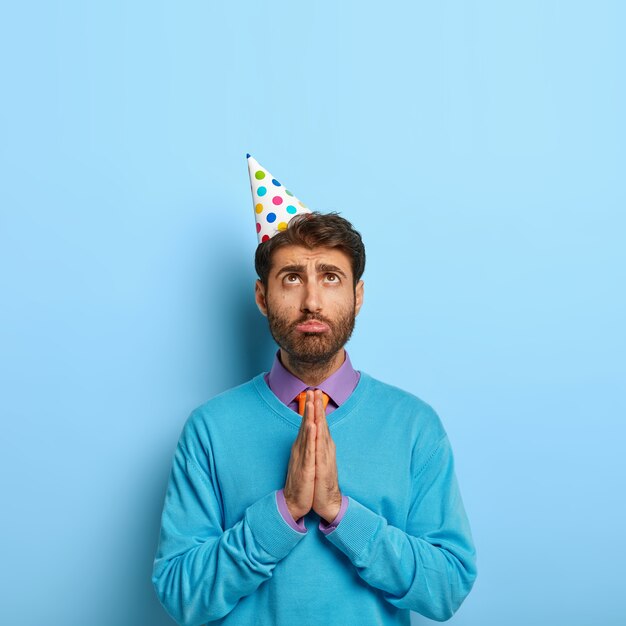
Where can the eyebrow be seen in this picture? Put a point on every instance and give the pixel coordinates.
(321, 268)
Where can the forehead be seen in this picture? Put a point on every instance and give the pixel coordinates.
(299, 255)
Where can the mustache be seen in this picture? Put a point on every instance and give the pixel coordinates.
(313, 318)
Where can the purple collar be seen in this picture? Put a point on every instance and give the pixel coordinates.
(286, 386)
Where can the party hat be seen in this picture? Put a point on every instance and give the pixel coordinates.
(274, 205)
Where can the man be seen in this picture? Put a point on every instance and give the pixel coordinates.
(367, 465)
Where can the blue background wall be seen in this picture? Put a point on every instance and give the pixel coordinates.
(480, 149)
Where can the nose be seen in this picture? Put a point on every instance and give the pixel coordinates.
(311, 302)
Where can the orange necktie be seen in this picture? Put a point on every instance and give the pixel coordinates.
(302, 401)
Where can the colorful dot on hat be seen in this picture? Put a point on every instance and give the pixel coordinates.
(304, 206)
(291, 209)
(258, 227)
(277, 200)
(261, 191)
(288, 192)
(258, 208)
(271, 217)
(259, 175)
(265, 238)
(282, 226)
(275, 182)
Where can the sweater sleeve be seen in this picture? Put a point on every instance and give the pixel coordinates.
(431, 567)
(201, 569)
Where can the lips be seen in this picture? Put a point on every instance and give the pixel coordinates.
(312, 326)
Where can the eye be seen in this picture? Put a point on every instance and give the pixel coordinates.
(332, 278)
(292, 278)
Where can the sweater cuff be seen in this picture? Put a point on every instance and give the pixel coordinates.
(269, 528)
(284, 511)
(329, 528)
(355, 533)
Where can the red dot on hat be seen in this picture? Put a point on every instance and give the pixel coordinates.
(258, 227)
(277, 200)
(265, 238)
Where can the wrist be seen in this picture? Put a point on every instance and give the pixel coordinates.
(293, 510)
(329, 515)
(293, 513)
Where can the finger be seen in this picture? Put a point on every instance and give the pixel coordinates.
(307, 422)
(322, 422)
(326, 446)
(304, 414)
(303, 422)
(321, 442)
(319, 406)
(310, 408)
(300, 439)
(308, 399)
(309, 455)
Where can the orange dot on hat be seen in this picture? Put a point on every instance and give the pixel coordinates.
(258, 207)
(277, 200)
(282, 226)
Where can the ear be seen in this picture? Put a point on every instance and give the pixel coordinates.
(358, 297)
(259, 297)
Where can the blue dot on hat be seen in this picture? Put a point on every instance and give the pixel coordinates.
(261, 191)
(275, 182)
(291, 209)
(271, 217)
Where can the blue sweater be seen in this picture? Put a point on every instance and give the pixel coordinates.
(227, 556)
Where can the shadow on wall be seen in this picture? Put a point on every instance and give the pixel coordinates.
(236, 345)
(236, 334)
(254, 344)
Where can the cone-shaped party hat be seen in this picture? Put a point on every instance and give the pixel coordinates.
(274, 205)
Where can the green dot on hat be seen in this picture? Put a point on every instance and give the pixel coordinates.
(272, 208)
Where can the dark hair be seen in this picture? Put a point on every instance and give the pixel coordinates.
(313, 230)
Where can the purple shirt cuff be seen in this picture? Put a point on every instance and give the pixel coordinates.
(284, 511)
(328, 528)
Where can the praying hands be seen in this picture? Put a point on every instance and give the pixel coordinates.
(312, 481)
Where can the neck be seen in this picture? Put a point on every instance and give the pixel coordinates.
(312, 373)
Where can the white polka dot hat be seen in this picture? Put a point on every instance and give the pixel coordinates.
(274, 205)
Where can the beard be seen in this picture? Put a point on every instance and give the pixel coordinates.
(312, 348)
